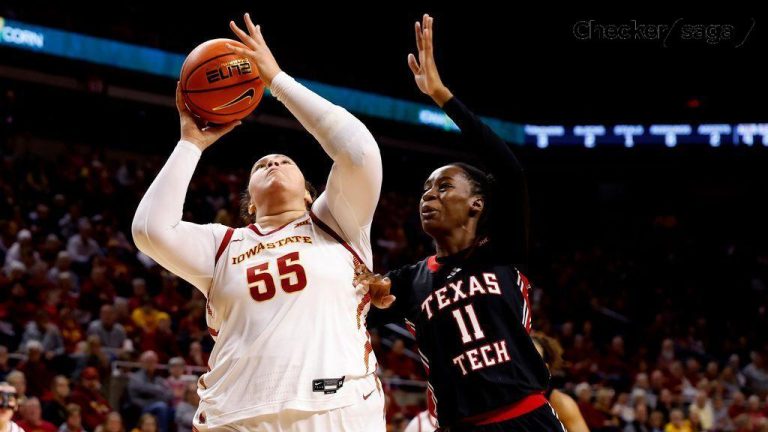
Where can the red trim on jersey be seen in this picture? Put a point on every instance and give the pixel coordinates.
(320, 224)
(213, 332)
(361, 306)
(517, 409)
(224, 243)
(431, 402)
(368, 349)
(525, 287)
(256, 230)
(411, 329)
(432, 264)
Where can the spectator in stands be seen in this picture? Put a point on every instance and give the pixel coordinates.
(738, 405)
(756, 374)
(55, 408)
(74, 420)
(656, 422)
(111, 333)
(88, 396)
(196, 356)
(169, 299)
(176, 381)
(15, 252)
(82, 247)
(17, 379)
(71, 331)
(150, 392)
(63, 265)
(113, 423)
(139, 293)
(46, 332)
(161, 340)
(677, 422)
(147, 423)
(702, 407)
(36, 369)
(31, 417)
(192, 326)
(185, 411)
(592, 416)
(92, 356)
(398, 362)
(755, 412)
(639, 423)
(147, 316)
(722, 421)
(96, 290)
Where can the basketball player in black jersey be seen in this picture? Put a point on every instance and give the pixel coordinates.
(468, 306)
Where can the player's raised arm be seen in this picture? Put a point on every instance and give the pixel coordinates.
(494, 152)
(354, 183)
(184, 248)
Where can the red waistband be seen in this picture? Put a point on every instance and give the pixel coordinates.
(521, 407)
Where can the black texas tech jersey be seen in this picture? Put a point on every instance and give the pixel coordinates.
(470, 311)
(471, 317)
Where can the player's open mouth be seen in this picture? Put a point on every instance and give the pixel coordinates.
(428, 212)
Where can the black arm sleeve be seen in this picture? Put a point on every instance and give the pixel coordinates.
(508, 228)
(401, 289)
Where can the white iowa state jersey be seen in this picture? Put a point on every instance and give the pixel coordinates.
(288, 322)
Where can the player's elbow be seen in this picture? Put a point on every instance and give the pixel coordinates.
(142, 231)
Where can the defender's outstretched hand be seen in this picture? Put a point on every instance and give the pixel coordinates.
(424, 69)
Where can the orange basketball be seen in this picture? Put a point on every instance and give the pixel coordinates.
(218, 85)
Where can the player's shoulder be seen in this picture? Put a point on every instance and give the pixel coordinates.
(410, 271)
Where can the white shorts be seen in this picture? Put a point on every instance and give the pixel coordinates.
(364, 416)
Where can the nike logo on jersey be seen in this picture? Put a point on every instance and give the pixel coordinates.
(453, 272)
(306, 222)
(365, 397)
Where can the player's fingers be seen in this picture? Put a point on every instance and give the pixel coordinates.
(249, 25)
(259, 36)
(180, 106)
(417, 28)
(388, 300)
(244, 37)
(413, 64)
(242, 51)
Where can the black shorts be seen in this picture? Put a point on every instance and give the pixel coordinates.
(542, 419)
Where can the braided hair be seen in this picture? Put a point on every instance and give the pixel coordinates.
(483, 184)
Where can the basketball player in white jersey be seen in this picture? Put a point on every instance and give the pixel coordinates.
(8, 406)
(292, 352)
